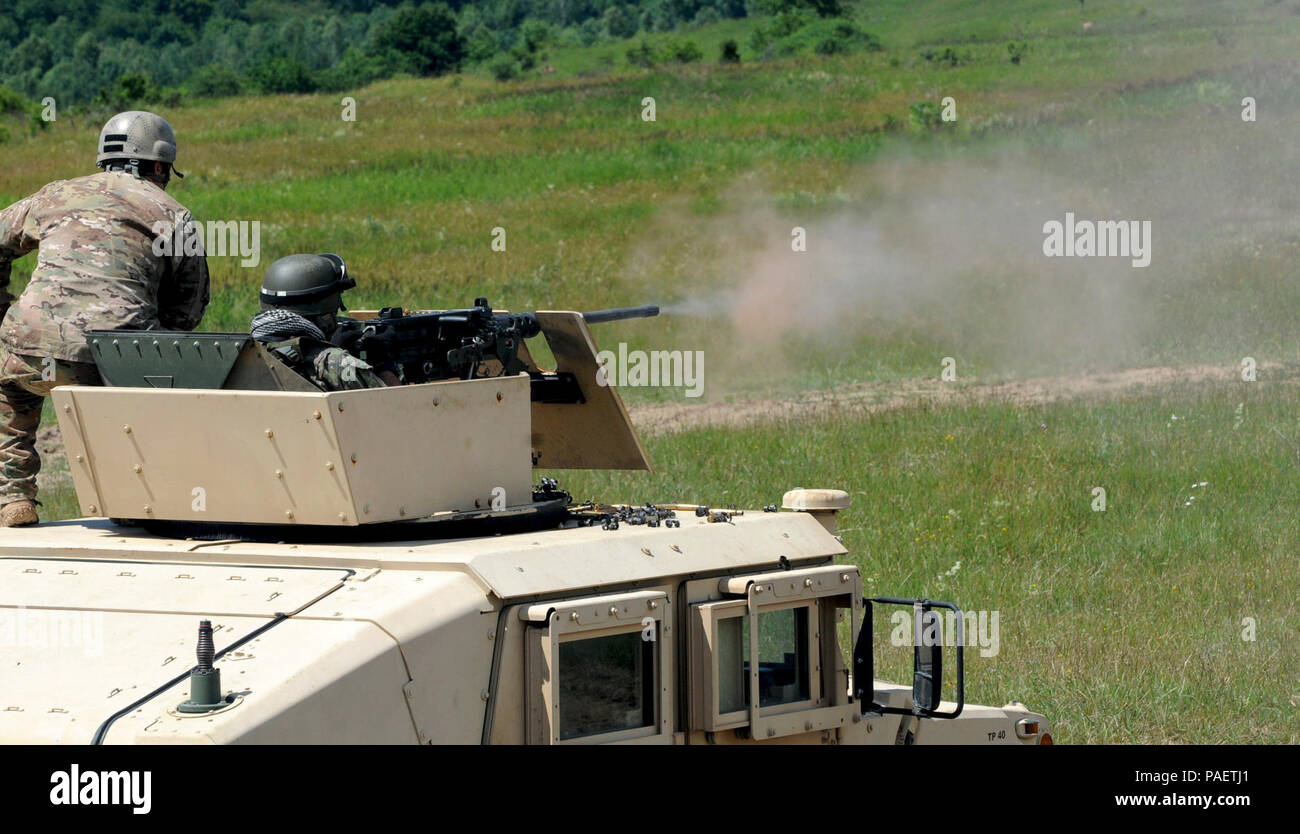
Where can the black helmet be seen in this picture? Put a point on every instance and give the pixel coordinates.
(307, 284)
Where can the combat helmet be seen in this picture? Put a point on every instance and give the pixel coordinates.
(137, 134)
(307, 284)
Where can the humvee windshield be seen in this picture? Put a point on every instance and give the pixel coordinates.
(782, 659)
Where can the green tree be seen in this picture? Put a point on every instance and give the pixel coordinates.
(281, 75)
(214, 81)
(422, 41)
(618, 23)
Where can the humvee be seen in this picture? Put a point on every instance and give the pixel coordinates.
(378, 566)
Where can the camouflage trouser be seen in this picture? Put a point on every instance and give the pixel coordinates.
(25, 381)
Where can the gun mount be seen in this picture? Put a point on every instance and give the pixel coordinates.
(258, 444)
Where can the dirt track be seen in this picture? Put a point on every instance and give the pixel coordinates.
(871, 397)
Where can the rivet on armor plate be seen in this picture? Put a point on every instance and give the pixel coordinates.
(654, 603)
(613, 611)
(137, 468)
(270, 433)
(340, 408)
(329, 464)
(807, 583)
(316, 414)
(148, 508)
(127, 429)
(92, 509)
(279, 474)
(574, 616)
(288, 514)
(67, 408)
(343, 516)
(77, 458)
(499, 397)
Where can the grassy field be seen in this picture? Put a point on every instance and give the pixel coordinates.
(924, 243)
(602, 208)
(1124, 625)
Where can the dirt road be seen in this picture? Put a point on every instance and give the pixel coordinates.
(870, 397)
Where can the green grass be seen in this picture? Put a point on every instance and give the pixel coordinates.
(1123, 626)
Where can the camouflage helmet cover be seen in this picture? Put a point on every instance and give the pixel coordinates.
(137, 134)
(307, 284)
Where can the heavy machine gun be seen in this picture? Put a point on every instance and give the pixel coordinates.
(469, 343)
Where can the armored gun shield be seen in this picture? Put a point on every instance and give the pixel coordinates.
(291, 457)
(209, 427)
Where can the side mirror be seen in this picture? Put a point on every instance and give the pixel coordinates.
(927, 659)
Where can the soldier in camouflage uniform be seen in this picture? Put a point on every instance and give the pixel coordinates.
(99, 268)
(301, 296)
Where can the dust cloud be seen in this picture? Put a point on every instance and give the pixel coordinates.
(940, 252)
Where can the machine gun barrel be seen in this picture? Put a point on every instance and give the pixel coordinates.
(645, 311)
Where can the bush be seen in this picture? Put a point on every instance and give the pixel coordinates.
(830, 46)
(526, 60)
(281, 75)
(786, 24)
(841, 37)
(705, 16)
(926, 115)
(1016, 51)
(421, 41)
(730, 53)
(683, 52)
(504, 68)
(641, 56)
(947, 57)
(132, 89)
(214, 81)
(12, 102)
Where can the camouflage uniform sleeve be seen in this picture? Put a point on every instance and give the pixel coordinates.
(181, 302)
(15, 241)
(339, 370)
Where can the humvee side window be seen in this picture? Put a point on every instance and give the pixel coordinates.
(597, 669)
(606, 684)
(782, 659)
